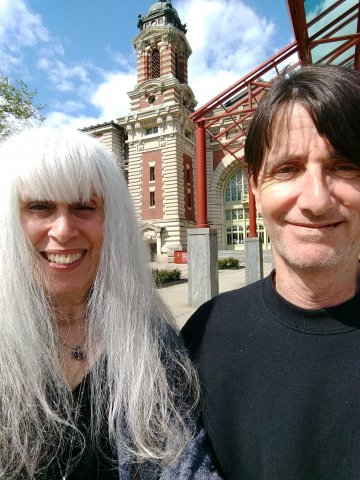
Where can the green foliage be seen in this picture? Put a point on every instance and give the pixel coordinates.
(165, 276)
(16, 103)
(229, 262)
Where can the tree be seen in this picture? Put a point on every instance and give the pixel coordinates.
(17, 109)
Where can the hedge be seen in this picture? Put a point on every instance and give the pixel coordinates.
(164, 276)
(229, 262)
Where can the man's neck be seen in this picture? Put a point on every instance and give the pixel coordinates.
(312, 289)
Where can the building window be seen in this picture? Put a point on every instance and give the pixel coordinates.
(155, 64)
(189, 135)
(237, 188)
(150, 131)
(188, 177)
(189, 199)
(152, 199)
(152, 174)
(235, 235)
(180, 67)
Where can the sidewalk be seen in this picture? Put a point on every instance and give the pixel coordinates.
(176, 296)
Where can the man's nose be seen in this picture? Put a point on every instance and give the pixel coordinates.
(315, 193)
(63, 227)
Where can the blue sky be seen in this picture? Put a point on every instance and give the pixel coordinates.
(78, 54)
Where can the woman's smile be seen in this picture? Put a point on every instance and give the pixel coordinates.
(68, 238)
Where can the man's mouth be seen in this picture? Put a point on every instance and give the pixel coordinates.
(317, 226)
(62, 259)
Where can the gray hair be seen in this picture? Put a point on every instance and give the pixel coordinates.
(140, 368)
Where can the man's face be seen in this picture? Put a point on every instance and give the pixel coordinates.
(309, 196)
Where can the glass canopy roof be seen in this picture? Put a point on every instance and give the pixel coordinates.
(331, 31)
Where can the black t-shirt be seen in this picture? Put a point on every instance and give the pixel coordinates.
(95, 463)
(281, 385)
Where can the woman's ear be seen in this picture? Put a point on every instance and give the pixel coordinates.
(256, 192)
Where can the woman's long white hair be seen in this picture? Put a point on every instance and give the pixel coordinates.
(142, 381)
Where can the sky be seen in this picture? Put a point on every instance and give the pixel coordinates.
(78, 55)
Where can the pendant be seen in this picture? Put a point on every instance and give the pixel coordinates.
(78, 354)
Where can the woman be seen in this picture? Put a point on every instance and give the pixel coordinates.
(94, 383)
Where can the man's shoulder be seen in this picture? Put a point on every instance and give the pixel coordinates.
(225, 307)
(233, 298)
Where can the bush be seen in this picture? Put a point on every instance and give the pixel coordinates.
(229, 262)
(162, 277)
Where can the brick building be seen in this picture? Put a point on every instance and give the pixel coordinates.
(155, 146)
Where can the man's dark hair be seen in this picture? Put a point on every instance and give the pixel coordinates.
(331, 96)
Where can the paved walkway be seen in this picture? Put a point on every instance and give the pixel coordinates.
(176, 296)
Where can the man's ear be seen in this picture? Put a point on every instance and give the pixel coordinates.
(256, 191)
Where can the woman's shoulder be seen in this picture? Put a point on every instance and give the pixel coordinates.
(195, 462)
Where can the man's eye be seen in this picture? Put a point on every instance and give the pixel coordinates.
(346, 169)
(287, 169)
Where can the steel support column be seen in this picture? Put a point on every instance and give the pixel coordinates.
(252, 213)
(200, 139)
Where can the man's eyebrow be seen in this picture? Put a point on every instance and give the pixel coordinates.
(280, 160)
(337, 155)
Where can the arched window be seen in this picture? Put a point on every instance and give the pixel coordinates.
(180, 67)
(236, 198)
(237, 190)
(236, 213)
(155, 63)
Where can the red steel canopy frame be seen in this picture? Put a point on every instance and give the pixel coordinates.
(333, 36)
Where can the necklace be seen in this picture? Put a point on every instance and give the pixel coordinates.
(78, 353)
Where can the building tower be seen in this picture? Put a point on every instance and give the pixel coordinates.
(161, 149)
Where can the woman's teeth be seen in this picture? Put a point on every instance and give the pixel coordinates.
(64, 259)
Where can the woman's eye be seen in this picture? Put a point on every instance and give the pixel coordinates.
(39, 206)
(84, 206)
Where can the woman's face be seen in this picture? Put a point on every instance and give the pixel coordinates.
(68, 239)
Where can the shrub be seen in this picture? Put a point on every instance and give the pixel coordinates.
(229, 262)
(162, 277)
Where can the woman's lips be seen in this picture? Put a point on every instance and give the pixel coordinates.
(64, 258)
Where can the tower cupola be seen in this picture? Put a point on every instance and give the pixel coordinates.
(161, 13)
(162, 59)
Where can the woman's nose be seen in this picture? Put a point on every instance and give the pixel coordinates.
(63, 227)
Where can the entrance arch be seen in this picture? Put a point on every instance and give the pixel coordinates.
(236, 209)
(236, 212)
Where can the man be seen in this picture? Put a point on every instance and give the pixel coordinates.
(279, 360)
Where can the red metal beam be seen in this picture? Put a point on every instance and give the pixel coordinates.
(252, 76)
(357, 48)
(200, 139)
(252, 214)
(298, 18)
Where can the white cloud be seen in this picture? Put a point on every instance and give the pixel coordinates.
(227, 37)
(228, 40)
(69, 106)
(64, 77)
(111, 96)
(61, 119)
(19, 28)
